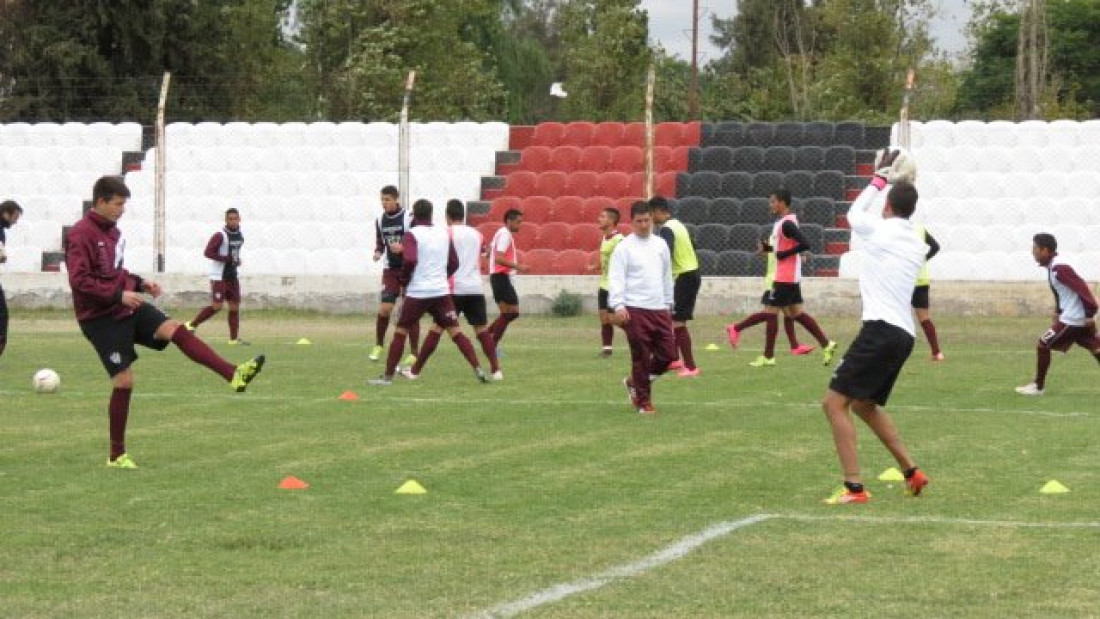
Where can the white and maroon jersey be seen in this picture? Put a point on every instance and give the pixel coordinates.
(224, 251)
(505, 243)
(428, 249)
(1074, 301)
(784, 270)
(467, 242)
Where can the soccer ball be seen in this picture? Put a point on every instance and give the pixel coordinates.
(46, 381)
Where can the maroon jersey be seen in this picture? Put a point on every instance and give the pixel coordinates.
(93, 257)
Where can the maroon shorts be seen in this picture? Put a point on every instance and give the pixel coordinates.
(391, 286)
(441, 309)
(229, 292)
(1061, 337)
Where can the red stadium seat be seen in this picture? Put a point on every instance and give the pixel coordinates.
(581, 183)
(488, 229)
(578, 134)
(525, 238)
(571, 262)
(541, 261)
(564, 158)
(693, 133)
(537, 209)
(548, 134)
(595, 159)
(636, 187)
(627, 159)
(553, 235)
(551, 184)
(608, 134)
(679, 159)
(669, 134)
(634, 135)
(613, 184)
(520, 184)
(662, 155)
(592, 208)
(569, 209)
(585, 236)
(666, 184)
(624, 204)
(535, 159)
(501, 206)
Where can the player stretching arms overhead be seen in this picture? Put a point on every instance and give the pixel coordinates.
(1074, 312)
(865, 377)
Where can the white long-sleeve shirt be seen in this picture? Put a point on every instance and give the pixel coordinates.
(894, 255)
(640, 274)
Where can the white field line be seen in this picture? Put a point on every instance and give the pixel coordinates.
(687, 544)
(626, 570)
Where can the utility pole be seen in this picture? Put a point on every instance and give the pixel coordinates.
(693, 89)
(1031, 59)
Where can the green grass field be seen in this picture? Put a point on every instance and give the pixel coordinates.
(546, 480)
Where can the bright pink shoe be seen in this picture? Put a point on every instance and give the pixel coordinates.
(676, 365)
(733, 334)
(688, 372)
(802, 349)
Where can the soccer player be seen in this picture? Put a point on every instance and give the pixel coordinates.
(113, 314)
(865, 377)
(224, 252)
(920, 293)
(389, 229)
(608, 221)
(640, 292)
(784, 247)
(1074, 312)
(429, 259)
(466, 293)
(10, 211)
(685, 274)
(503, 264)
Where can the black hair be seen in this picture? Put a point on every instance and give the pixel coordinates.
(903, 199)
(232, 211)
(456, 210)
(659, 203)
(107, 187)
(422, 209)
(641, 207)
(782, 194)
(390, 190)
(512, 214)
(613, 213)
(1046, 241)
(10, 206)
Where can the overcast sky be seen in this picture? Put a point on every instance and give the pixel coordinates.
(670, 25)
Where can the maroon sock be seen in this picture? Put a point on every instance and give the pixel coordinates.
(607, 334)
(397, 346)
(1042, 366)
(755, 319)
(489, 347)
(380, 325)
(501, 324)
(197, 351)
(430, 342)
(808, 321)
(772, 330)
(118, 412)
(466, 347)
(414, 339)
(203, 315)
(788, 326)
(683, 343)
(930, 333)
(234, 323)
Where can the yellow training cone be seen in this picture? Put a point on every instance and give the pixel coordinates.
(1053, 487)
(411, 487)
(304, 342)
(712, 346)
(891, 474)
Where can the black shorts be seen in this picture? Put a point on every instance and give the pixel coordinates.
(472, 306)
(684, 291)
(114, 340)
(920, 297)
(873, 362)
(784, 295)
(503, 290)
(601, 300)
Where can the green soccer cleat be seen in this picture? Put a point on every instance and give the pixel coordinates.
(246, 373)
(187, 325)
(410, 360)
(238, 342)
(828, 352)
(124, 461)
(844, 496)
(762, 361)
(376, 353)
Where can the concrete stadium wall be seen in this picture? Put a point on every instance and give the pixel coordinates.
(718, 296)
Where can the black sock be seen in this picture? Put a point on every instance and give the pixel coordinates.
(853, 487)
(910, 472)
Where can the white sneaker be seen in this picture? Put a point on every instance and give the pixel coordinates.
(408, 373)
(498, 375)
(1029, 389)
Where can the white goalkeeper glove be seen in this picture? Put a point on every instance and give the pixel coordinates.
(895, 165)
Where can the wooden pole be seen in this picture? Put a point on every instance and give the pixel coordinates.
(160, 206)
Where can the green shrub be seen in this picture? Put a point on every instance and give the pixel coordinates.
(567, 304)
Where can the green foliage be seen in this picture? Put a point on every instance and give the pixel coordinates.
(567, 304)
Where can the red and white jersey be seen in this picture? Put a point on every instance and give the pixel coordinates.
(1072, 295)
(467, 242)
(429, 252)
(787, 270)
(505, 243)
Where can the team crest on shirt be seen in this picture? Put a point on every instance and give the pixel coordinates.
(115, 358)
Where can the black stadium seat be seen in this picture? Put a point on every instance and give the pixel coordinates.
(809, 158)
(800, 183)
(764, 184)
(760, 134)
(706, 184)
(829, 184)
(743, 236)
(712, 236)
(737, 185)
(693, 209)
(818, 211)
(779, 159)
(815, 236)
(756, 211)
(708, 261)
(733, 263)
(789, 134)
(819, 133)
(717, 159)
(748, 159)
(725, 210)
(841, 158)
(849, 133)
